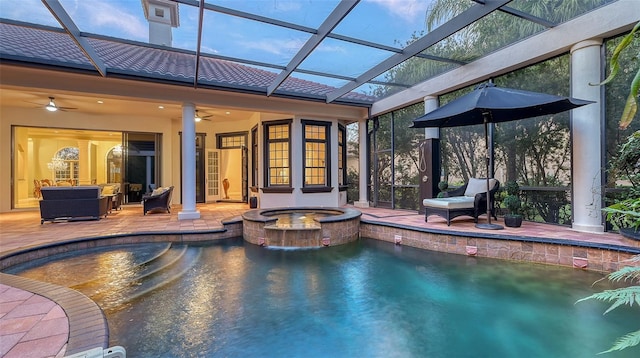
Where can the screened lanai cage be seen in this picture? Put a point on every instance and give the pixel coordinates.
(536, 152)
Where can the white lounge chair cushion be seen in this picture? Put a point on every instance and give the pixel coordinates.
(476, 186)
(455, 202)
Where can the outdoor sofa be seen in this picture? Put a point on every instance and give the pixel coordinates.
(72, 203)
(468, 200)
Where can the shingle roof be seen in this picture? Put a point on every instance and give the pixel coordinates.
(53, 47)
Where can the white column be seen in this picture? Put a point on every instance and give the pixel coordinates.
(586, 132)
(362, 202)
(188, 164)
(431, 104)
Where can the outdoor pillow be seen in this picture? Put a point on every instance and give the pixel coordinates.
(107, 190)
(159, 191)
(476, 186)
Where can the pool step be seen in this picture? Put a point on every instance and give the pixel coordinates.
(165, 258)
(151, 277)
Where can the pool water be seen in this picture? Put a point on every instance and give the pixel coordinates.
(363, 299)
(298, 219)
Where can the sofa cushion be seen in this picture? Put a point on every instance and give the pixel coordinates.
(454, 202)
(476, 186)
(159, 191)
(107, 190)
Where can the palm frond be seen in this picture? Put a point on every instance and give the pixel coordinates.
(629, 273)
(615, 65)
(619, 297)
(626, 341)
(631, 106)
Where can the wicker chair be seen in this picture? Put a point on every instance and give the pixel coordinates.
(159, 199)
(468, 200)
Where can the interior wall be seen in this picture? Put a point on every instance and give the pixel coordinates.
(231, 169)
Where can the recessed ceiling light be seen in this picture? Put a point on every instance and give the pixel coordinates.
(100, 101)
(160, 107)
(227, 112)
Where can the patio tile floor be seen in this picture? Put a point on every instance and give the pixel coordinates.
(34, 326)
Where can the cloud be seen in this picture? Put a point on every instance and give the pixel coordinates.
(286, 6)
(323, 47)
(28, 11)
(408, 10)
(114, 20)
(274, 46)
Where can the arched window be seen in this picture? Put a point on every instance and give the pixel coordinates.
(64, 165)
(114, 164)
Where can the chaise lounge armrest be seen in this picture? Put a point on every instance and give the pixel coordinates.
(455, 192)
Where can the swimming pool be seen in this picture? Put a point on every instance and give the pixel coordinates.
(363, 299)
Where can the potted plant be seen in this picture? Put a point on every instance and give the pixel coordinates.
(513, 218)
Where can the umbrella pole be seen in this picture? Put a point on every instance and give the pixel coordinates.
(488, 225)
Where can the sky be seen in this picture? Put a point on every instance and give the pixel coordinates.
(389, 22)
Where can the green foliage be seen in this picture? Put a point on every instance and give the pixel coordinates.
(353, 190)
(626, 341)
(512, 200)
(622, 296)
(512, 188)
(631, 104)
(513, 204)
(627, 163)
(624, 214)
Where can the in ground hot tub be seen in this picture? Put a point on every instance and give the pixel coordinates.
(301, 227)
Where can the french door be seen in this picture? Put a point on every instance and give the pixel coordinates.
(213, 175)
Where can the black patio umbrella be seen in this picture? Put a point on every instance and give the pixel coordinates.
(490, 104)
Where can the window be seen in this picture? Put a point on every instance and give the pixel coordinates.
(231, 140)
(316, 156)
(254, 157)
(277, 157)
(342, 157)
(64, 165)
(114, 165)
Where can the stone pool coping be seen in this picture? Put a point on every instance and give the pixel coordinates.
(346, 213)
(87, 323)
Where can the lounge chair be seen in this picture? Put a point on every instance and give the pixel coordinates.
(468, 200)
(159, 199)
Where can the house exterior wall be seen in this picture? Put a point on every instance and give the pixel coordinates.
(297, 197)
(137, 95)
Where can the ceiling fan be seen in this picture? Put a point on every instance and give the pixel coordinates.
(52, 107)
(198, 117)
